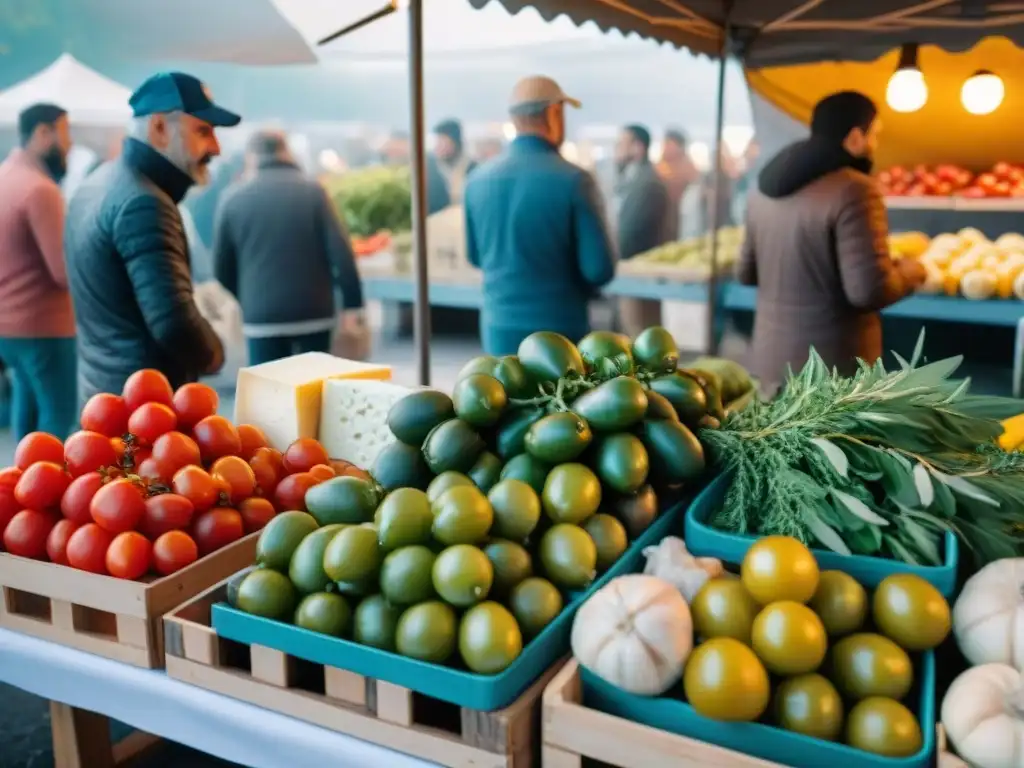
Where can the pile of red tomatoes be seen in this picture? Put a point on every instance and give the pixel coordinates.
(153, 481)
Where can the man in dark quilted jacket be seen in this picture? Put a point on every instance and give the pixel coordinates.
(127, 255)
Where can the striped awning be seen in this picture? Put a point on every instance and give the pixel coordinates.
(779, 32)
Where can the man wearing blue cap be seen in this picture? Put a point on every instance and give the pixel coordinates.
(127, 254)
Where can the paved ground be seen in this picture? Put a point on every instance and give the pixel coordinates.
(25, 719)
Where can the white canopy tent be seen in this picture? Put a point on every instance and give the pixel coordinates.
(89, 97)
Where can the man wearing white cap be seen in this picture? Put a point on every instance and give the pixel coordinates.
(535, 226)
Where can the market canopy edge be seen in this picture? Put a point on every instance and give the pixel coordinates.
(780, 32)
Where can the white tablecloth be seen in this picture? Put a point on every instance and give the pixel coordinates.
(209, 722)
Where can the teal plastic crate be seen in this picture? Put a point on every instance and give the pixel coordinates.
(764, 741)
(457, 686)
(704, 541)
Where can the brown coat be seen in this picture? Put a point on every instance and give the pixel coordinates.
(820, 260)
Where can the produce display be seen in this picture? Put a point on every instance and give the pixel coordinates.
(1003, 180)
(373, 200)
(491, 506)
(967, 263)
(784, 643)
(691, 256)
(879, 464)
(153, 481)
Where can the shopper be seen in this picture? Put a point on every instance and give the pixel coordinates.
(642, 203)
(678, 172)
(816, 247)
(280, 249)
(37, 325)
(128, 257)
(535, 226)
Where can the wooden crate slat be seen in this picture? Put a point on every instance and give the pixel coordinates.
(115, 618)
(348, 703)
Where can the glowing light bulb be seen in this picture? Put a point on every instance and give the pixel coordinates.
(906, 91)
(982, 92)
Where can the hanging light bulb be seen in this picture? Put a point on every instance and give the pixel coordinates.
(982, 92)
(907, 91)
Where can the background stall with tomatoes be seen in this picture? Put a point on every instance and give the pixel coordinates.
(946, 171)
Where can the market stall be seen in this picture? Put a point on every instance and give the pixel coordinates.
(365, 566)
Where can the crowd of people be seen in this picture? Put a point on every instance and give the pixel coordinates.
(91, 294)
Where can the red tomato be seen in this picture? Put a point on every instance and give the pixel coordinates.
(74, 505)
(217, 528)
(135, 455)
(268, 466)
(155, 471)
(38, 446)
(252, 439)
(9, 477)
(166, 512)
(118, 506)
(322, 472)
(217, 437)
(9, 507)
(87, 548)
(196, 485)
(147, 386)
(129, 555)
(237, 475)
(41, 485)
(173, 551)
(27, 532)
(194, 402)
(304, 454)
(150, 420)
(176, 450)
(256, 513)
(57, 541)
(88, 451)
(291, 492)
(106, 414)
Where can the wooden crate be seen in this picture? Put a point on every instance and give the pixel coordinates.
(116, 618)
(342, 701)
(572, 734)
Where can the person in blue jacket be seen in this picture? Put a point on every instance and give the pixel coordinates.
(535, 227)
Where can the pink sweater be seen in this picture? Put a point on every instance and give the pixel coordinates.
(34, 298)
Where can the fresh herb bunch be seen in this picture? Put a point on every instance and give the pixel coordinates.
(880, 464)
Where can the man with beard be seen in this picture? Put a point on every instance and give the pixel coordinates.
(535, 227)
(643, 217)
(37, 326)
(816, 247)
(128, 258)
(447, 167)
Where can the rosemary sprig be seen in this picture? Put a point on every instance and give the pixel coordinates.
(881, 463)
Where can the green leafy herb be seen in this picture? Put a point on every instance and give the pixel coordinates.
(884, 462)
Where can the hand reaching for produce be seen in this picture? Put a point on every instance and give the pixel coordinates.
(912, 272)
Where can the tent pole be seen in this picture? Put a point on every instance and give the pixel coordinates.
(421, 304)
(711, 343)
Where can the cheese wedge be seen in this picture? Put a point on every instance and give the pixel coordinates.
(354, 418)
(283, 397)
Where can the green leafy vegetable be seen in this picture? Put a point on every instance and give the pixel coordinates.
(884, 462)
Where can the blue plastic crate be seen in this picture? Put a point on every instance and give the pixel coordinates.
(704, 541)
(466, 689)
(764, 741)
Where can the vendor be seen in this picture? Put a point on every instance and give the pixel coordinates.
(816, 247)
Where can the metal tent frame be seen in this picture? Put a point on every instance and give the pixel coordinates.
(758, 32)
